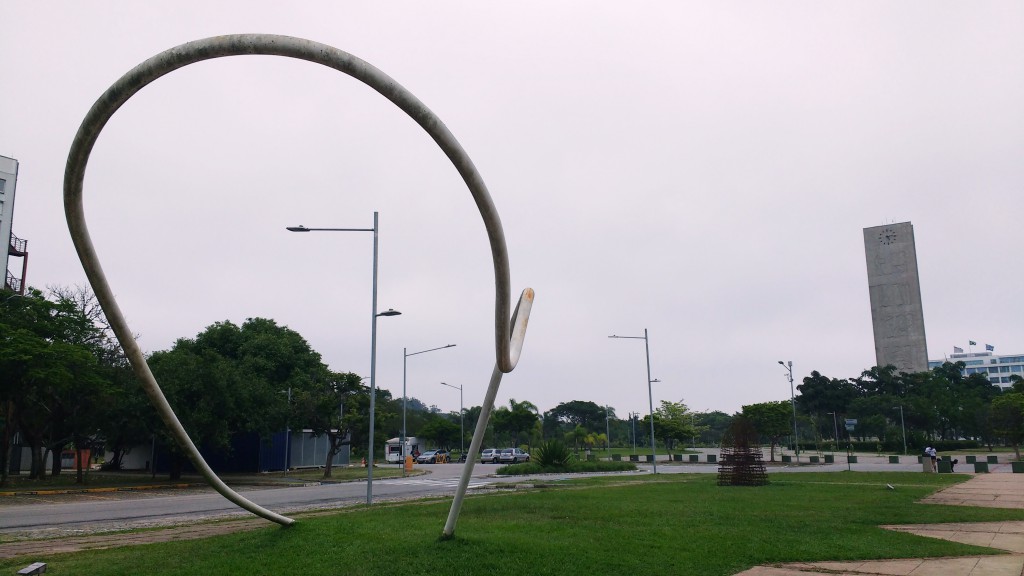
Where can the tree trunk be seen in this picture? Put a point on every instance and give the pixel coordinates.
(38, 469)
(175, 468)
(55, 460)
(337, 441)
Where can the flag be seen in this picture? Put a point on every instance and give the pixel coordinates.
(990, 348)
(972, 342)
(958, 350)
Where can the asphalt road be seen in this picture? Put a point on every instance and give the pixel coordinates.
(122, 510)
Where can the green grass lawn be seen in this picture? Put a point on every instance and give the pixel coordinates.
(667, 524)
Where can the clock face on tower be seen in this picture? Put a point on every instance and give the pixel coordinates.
(887, 236)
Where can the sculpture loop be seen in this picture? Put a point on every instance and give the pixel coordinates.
(506, 351)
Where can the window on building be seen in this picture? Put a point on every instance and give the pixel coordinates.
(3, 183)
(1017, 368)
(1004, 368)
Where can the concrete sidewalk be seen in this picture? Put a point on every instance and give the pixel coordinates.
(997, 491)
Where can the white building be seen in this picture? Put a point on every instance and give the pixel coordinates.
(998, 368)
(10, 245)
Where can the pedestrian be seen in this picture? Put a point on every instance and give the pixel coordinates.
(934, 455)
(952, 464)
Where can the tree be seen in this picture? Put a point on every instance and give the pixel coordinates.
(49, 373)
(773, 420)
(335, 405)
(441, 431)
(514, 420)
(580, 413)
(1008, 418)
(235, 379)
(672, 423)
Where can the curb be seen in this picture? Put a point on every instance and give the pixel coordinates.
(92, 490)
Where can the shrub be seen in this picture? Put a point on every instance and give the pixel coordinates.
(552, 454)
(537, 468)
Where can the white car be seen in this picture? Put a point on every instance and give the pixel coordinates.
(489, 455)
(513, 456)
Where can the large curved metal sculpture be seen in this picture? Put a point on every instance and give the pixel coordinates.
(509, 334)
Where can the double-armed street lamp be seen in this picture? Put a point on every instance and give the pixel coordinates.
(462, 419)
(373, 340)
(650, 395)
(405, 357)
(792, 400)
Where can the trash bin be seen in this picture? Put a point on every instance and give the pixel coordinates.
(787, 458)
(677, 457)
(993, 459)
(1017, 467)
(945, 466)
(712, 458)
(616, 457)
(894, 459)
(830, 459)
(815, 459)
(926, 464)
(981, 467)
(408, 463)
(696, 458)
(972, 459)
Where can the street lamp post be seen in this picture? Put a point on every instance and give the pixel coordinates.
(632, 423)
(405, 358)
(835, 426)
(650, 395)
(903, 428)
(373, 340)
(792, 400)
(462, 419)
(607, 432)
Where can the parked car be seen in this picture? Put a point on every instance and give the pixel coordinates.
(432, 457)
(489, 455)
(513, 456)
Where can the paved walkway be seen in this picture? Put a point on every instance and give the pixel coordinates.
(997, 491)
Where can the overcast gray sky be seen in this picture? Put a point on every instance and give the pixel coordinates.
(699, 169)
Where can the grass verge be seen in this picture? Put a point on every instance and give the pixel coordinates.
(667, 524)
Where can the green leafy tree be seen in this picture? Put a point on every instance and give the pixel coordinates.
(50, 376)
(333, 405)
(517, 418)
(441, 431)
(235, 379)
(580, 413)
(672, 423)
(1008, 419)
(772, 420)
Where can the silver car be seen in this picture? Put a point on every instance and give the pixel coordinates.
(513, 456)
(489, 455)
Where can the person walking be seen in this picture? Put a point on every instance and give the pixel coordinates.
(934, 455)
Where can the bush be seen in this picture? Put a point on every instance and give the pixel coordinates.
(553, 453)
(537, 468)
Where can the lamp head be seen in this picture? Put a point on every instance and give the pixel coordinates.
(299, 228)
(390, 312)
